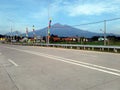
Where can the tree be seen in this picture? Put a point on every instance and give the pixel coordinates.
(95, 38)
(111, 39)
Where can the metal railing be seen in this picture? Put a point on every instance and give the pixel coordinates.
(115, 49)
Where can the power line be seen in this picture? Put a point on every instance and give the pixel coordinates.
(91, 23)
(97, 22)
(113, 19)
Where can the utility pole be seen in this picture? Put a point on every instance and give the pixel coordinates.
(11, 34)
(11, 29)
(104, 32)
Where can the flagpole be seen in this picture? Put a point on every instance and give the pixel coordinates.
(48, 25)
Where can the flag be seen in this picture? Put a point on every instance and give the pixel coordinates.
(50, 23)
(48, 31)
(49, 26)
(26, 32)
(33, 30)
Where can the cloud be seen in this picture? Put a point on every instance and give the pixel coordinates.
(91, 9)
(81, 7)
(28, 12)
(39, 14)
(48, 11)
(85, 10)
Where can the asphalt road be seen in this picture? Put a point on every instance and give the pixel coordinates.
(45, 68)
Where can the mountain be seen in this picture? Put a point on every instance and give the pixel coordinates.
(1, 35)
(65, 31)
(14, 33)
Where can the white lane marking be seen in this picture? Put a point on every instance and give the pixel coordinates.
(102, 67)
(13, 62)
(89, 64)
(83, 64)
(0, 53)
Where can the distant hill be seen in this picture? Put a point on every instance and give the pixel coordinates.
(1, 35)
(14, 33)
(63, 31)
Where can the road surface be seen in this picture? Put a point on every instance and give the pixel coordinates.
(45, 68)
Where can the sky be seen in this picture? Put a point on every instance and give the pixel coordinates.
(20, 14)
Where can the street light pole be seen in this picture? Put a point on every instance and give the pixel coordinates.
(11, 22)
(11, 34)
(104, 32)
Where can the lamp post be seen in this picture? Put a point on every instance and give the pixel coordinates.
(11, 34)
(104, 32)
(11, 29)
